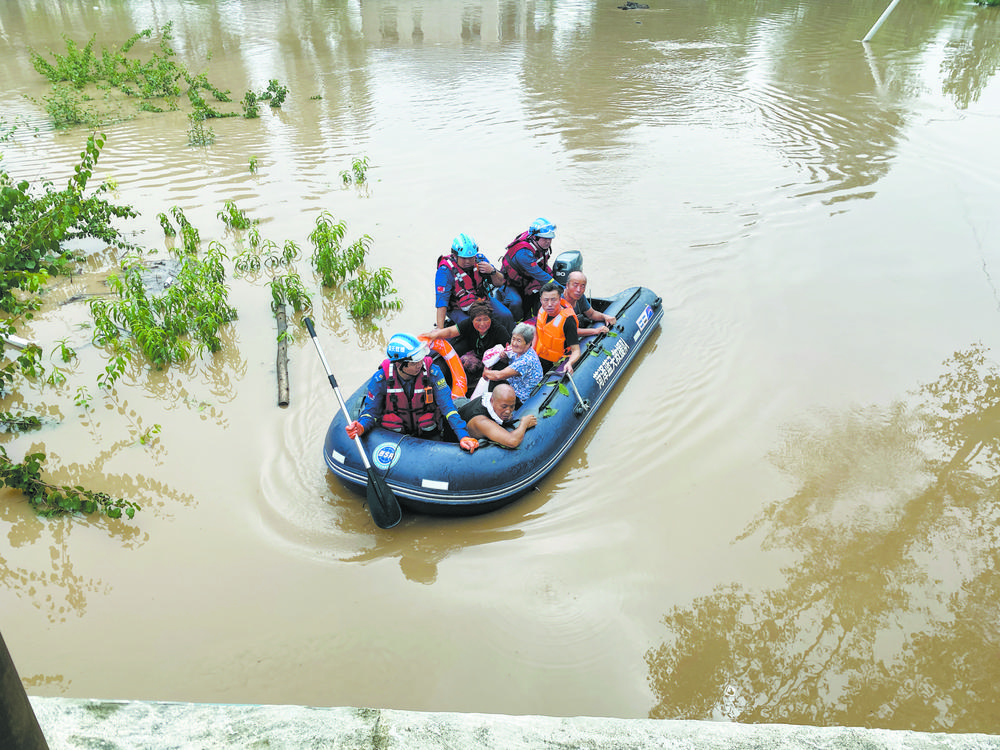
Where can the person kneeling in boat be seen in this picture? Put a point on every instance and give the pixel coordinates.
(472, 337)
(556, 330)
(489, 417)
(575, 295)
(409, 394)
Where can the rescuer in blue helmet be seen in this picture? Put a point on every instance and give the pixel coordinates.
(409, 394)
(525, 268)
(464, 276)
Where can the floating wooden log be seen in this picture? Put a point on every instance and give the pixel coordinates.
(282, 361)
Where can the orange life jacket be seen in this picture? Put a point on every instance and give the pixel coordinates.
(413, 415)
(550, 342)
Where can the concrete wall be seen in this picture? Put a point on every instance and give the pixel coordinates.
(71, 724)
(18, 727)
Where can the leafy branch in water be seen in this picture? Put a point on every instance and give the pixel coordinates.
(274, 94)
(199, 134)
(20, 422)
(160, 77)
(288, 289)
(330, 262)
(195, 305)
(334, 264)
(369, 292)
(27, 363)
(53, 500)
(190, 236)
(233, 217)
(251, 107)
(357, 174)
(33, 227)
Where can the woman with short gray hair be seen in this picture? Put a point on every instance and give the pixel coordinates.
(523, 370)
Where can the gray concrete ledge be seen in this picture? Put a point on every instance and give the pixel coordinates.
(69, 724)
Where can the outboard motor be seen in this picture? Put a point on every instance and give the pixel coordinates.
(566, 262)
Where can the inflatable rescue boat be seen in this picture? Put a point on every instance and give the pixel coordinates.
(439, 478)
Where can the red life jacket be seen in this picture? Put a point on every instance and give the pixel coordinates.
(550, 341)
(467, 287)
(525, 284)
(414, 415)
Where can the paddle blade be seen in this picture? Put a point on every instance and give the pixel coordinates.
(382, 504)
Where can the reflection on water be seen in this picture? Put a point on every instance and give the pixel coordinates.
(61, 590)
(54, 683)
(752, 162)
(971, 57)
(55, 588)
(421, 548)
(889, 618)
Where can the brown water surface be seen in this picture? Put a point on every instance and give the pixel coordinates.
(757, 527)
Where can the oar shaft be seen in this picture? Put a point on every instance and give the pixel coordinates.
(880, 21)
(336, 389)
(382, 504)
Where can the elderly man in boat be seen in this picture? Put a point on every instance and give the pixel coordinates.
(575, 295)
(491, 417)
(409, 394)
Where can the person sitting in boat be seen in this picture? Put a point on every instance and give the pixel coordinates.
(524, 370)
(490, 417)
(526, 269)
(575, 295)
(409, 394)
(461, 279)
(471, 338)
(555, 329)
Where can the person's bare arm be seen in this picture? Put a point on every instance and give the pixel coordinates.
(507, 372)
(594, 315)
(574, 355)
(582, 332)
(442, 333)
(484, 427)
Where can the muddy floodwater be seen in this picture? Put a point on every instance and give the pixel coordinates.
(788, 511)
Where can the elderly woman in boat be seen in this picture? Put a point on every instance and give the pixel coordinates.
(523, 370)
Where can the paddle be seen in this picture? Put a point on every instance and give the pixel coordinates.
(382, 504)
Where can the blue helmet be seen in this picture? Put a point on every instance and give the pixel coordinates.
(406, 346)
(464, 246)
(542, 228)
